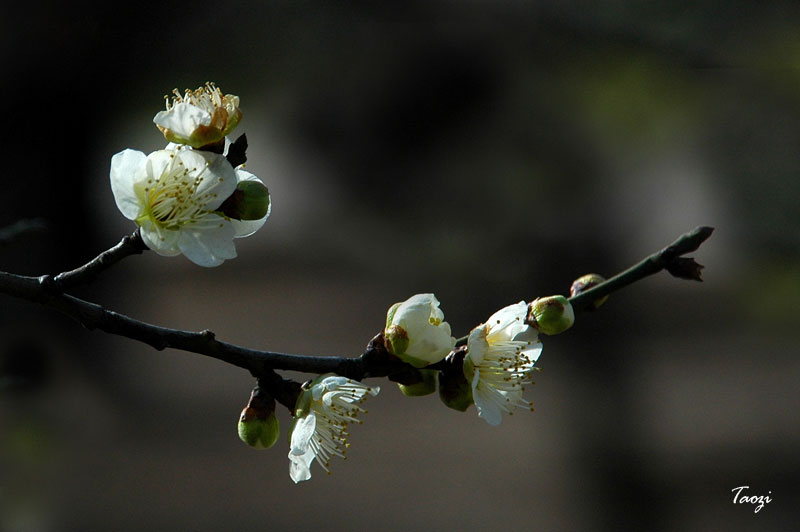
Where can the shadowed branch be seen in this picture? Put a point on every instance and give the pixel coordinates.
(375, 361)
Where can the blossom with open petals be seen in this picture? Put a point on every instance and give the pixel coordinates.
(323, 411)
(174, 196)
(416, 331)
(499, 362)
(199, 117)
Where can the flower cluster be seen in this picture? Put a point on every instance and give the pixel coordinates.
(490, 370)
(194, 198)
(187, 198)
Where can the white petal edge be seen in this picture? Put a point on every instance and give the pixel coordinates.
(300, 453)
(127, 168)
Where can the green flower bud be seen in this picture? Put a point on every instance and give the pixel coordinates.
(250, 201)
(584, 283)
(257, 432)
(425, 386)
(552, 315)
(455, 390)
(258, 426)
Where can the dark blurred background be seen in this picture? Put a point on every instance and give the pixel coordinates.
(484, 151)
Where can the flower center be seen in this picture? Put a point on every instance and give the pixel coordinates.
(171, 200)
(208, 97)
(506, 366)
(330, 437)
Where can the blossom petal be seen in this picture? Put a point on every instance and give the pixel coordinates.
(163, 242)
(301, 434)
(127, 168)
(301, 454)
(208, 246)
(182, 119)
(486, 401)
(508, 322)
(218, 180)
(477, 346)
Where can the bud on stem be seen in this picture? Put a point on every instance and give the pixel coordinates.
(258, 426)
(551, 315)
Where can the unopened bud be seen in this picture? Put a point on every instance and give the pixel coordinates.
(250, 201)
(552, 314)
(258, 426)
(455, 390)
(416, 332)
(425, 385)
(584, 283)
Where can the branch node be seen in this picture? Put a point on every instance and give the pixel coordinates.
(208, 334)
(49, 285)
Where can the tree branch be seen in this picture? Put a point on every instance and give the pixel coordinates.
(129, 245)
(375, 361)
(668, 258)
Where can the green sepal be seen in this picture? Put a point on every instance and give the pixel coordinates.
(396, 339)
(390, 314)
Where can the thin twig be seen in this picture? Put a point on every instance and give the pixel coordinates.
(129, 245)
(664, 259)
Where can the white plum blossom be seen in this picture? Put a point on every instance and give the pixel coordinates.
(501, 354)
(416, 331)
(174, 196)
(200, 117)
(324, 409)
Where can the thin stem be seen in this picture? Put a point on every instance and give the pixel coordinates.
(129, 245)
(664, 259)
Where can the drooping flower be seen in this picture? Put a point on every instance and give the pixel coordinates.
(324, 409)
(501, 354)
(416, 331)
(200, 117)
(174, 196)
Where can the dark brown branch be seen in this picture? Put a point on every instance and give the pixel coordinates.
(260, 363)
(374, 362)
(129, 245)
